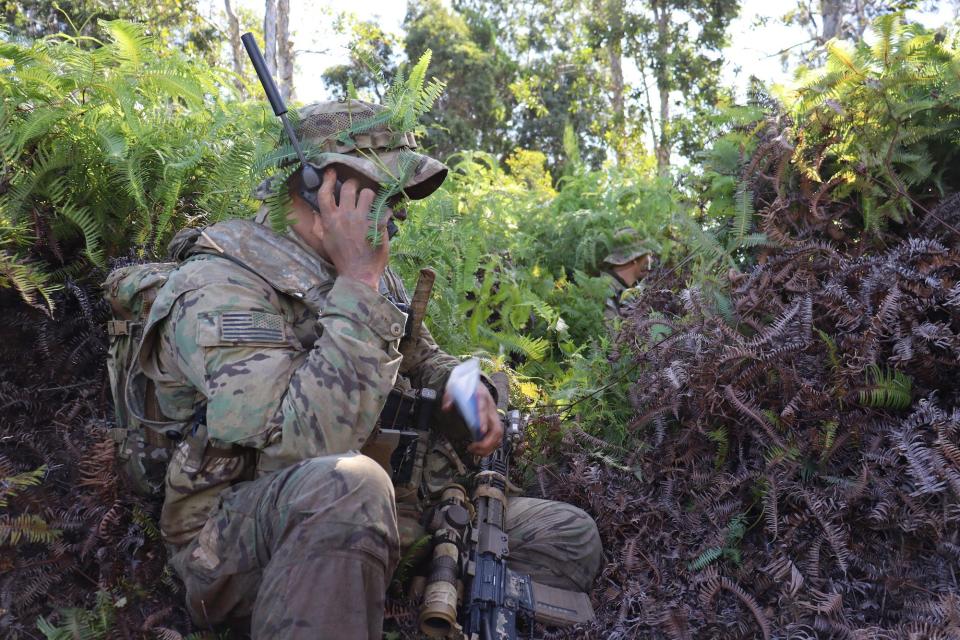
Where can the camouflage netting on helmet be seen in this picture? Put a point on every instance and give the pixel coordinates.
(627, 246)
(317, 124)
(356, 137)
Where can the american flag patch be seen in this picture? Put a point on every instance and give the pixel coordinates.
(251, 326)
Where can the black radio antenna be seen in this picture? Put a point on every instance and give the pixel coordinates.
(311, 181)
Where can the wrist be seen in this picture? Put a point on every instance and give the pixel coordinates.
(369, 278)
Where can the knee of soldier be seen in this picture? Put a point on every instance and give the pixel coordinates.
(347, 501)
(348, 479)
(587, 552)
(582, 527)
(367, 479)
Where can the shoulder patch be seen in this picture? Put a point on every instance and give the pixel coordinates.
(251, 326)
(241, 327)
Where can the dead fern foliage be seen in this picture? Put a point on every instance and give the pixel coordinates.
(72, 539)
(819, 405)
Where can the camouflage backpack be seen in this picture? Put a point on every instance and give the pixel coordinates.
(142, 434)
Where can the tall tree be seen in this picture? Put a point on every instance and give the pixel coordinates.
(561, 81)
(177, 22)
(236, 47)
(270, 36)
(284, 50)
(277, 47)
(843, 19)
(675, 45)
(678, 43)
(372, 59)
(474, 111)
(607, 29)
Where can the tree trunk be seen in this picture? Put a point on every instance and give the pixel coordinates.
(284, 49)
(270, 36)
(832, 12)
(615, 52)
(862, 20)
(236, 47)
(661, 69)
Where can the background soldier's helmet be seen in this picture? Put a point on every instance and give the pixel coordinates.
(377, 152)
(627, 247)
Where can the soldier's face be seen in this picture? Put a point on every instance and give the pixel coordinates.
(634, 270)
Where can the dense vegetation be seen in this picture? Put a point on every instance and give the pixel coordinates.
(768, 441)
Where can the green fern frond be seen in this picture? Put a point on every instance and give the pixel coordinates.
(429, 95)
(219, 197)
(379, 119)
(725, 308)
(706, 244)
(885, 27)
(831, 345)
(721, 438)
(29, 527)
(146, 522)
(743, 216)
(705, 559)
(174, 84)
(29, 280)
(736, 529)
(167, 197)
(841, 54)
(406, 163)
(411, 557)
(407, 99)
(829, 434)
(92, 233)
(44, 162)
(10, 486)
(269, 160)
(888, 389)
(82, 624)
(279, 202)
(36, 125)
(112, 140)
(41, 82)
(469, 265)
(128, 40)
(531, 348)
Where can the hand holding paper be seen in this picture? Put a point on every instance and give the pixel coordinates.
(475, 404)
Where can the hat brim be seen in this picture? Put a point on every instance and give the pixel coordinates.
(620, 258)
(383, 167)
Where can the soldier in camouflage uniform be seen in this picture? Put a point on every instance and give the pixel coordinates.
(278, 351)
(629, 262)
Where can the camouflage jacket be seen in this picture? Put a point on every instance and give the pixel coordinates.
(289, 361)
(619, 293)
(611, 309)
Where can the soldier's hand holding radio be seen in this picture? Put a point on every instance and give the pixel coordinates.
(343, 226)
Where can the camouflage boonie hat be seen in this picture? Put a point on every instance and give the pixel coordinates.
(374, 153)
(627, 247)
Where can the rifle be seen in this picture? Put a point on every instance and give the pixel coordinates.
(470, 559)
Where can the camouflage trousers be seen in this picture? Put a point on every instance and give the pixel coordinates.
(308, 551)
